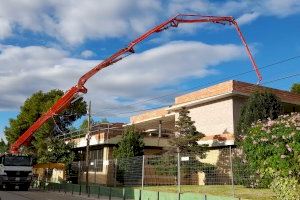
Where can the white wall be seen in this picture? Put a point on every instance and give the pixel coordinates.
(214, 117)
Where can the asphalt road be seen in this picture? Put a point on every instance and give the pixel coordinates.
(41, 195)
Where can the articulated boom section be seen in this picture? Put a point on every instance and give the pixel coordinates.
(72, 93)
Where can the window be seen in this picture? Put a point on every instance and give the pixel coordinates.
(96, 162)
(17, 161)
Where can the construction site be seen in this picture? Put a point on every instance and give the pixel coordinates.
(231, 138)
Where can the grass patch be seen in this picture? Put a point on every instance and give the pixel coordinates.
(218, 190)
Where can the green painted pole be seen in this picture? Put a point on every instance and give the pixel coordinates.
(99, 190)
(109, 193)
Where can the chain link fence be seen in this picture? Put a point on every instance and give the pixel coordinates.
(179, 172)
(216, 171)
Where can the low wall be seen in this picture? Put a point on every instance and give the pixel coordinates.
(128, 193)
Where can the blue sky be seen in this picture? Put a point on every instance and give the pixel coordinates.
(49, 44)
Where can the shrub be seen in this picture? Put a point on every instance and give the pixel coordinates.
(274, 144)
(286, 188)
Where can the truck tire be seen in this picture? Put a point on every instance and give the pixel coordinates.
(9, 187)
(24, 187)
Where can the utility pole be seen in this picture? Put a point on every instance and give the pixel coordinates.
(87, 153)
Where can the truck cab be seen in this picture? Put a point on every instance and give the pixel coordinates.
(15, 170)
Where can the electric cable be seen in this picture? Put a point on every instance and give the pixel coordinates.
(206, 84)
(265, 83)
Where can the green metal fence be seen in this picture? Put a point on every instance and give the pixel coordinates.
(125, 193)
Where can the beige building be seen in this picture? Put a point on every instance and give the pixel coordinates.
(214, 109)
(104, 137)
(216, 112)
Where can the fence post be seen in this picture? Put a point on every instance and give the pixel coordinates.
(231, 169)
(178, 172)
(140, 195)
(80, 189)
(44, 185)
(124, 194)
(115, 172)
(143, 172)
(95, 169)
(99, 192)
(109, 193)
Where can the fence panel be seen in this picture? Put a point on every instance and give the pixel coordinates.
(216, 171)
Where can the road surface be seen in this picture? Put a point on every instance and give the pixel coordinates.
(42, 195)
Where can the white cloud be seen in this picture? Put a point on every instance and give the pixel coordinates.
(280, 8)
(94, 19)
(5, 28)
(75, 21)
(245, 11)
(87, 54)
(247, 18)
(135, 78)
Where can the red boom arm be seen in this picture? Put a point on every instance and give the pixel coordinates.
(72, 93)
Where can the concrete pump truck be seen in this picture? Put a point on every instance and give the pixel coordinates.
(17, 169)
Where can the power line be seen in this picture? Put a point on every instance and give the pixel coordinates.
(197, 87)
(206, 84)
(140, 110)
(265, 83)
(95, 128)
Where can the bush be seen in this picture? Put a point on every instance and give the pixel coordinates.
(286, 188)
(274, 144)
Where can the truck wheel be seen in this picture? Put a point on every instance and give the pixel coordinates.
(10, 187)
(24, 187)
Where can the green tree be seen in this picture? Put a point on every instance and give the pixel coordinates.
(296, 88)
(32, 109)
(3, 146)
(57, 151)
(84, 124)
(186, 134)
(184, 142)
(259, 106)
(131, 144)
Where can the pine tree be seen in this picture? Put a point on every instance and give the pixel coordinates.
(185, 143)
(131, 144)
(186, 137)
(31, 110)
(3, 146)
(260, 106)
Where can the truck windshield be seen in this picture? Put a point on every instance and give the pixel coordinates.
(17, 161)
